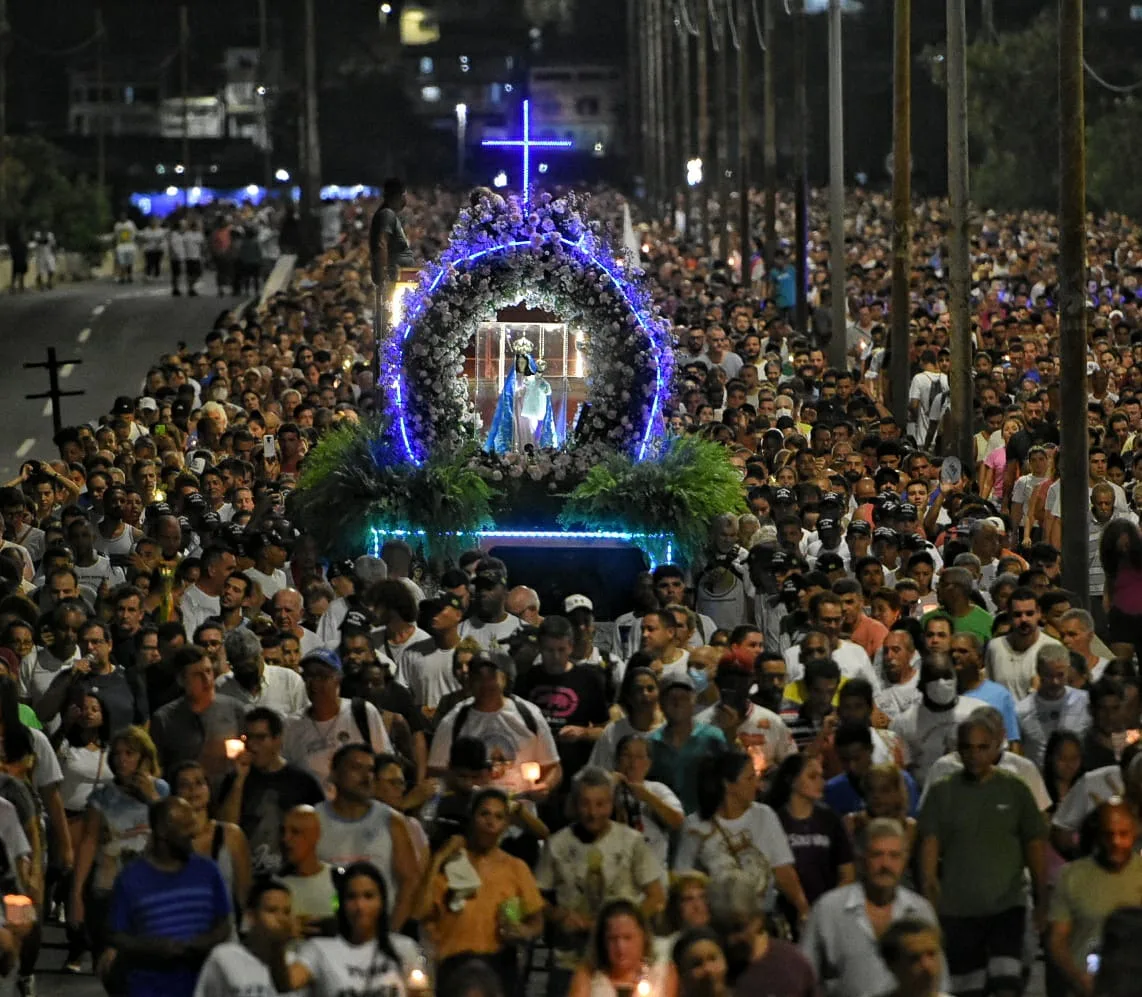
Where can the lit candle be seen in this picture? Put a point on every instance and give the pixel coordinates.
(19, 909)
(757, 756)
(531, 771)
(234, 747)
(643, 987)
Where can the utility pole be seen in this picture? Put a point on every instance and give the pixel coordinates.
(264, 74)
(721, 41)
(646, 97)
(987, 13)
(770, 155)
(837, 267)
(634, 89)
(899, 369)
(311, 192)
(101, 124)
(53, 393)
(801, 169)
(658, 106)
(1072, 302)
(745, 242)
(184, 81)
(3, 115)
(959, 265)
(667, 119)
(704, 123)
(687, 125)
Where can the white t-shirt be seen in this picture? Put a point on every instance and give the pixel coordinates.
(270, 585)
(851, 659)
(1014, 669)
(1087, 795)
(490, 635)
(83, 770)
(1020, 767)
(895, 699)
(100, 573)
(752, 845)
(232, 970)
(508, 737)
(311, 744)
(312, 896)
(761, 729)
(928, 735)
(418, 641)
(369, 839)
(603, 754)
(38, 671)
(930, 389)
(427, 671)
(343, 970)
(282, 690)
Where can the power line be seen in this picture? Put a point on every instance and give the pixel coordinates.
(62, 53)
(1110, 86)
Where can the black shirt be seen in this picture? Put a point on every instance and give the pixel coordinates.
(266, 798)
(575, 698)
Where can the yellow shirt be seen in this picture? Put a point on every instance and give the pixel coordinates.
(475, 927)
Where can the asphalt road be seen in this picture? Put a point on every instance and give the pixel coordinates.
(118, 331)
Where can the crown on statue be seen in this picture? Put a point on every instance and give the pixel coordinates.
(523, 346)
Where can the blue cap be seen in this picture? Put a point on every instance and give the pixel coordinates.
(323, 656)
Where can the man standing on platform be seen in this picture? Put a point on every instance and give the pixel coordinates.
(388, 245)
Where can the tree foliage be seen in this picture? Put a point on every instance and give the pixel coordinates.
(1013, 117)
(37, 189)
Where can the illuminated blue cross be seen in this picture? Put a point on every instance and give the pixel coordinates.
(527, 143)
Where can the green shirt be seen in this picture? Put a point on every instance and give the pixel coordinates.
(678, 767)
(975, 621)
(1087, 894)
(28, 717)
(983, 829)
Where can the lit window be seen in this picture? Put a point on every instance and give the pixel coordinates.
(430, 94)
(426, 65)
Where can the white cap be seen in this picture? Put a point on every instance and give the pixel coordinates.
(997, 523)
(573, 602)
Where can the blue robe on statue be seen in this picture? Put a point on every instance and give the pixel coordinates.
(523, 420)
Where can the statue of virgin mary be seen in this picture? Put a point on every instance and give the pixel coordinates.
(523, 414)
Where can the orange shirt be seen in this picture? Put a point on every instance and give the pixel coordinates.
(475, 927)
(869, 634)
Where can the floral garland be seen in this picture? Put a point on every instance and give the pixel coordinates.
(547, 256)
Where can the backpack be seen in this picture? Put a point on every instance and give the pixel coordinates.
(528, 717)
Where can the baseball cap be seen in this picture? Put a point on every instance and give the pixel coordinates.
(356, 621)
(907, 510)
(180, 407)
(676, 680)
(340, 569)
(490, 578)
(156, 509)
(830, 498)
(783, 495)
(233, 537)
(123, 405)
(324, 657)
(209, 519)
(827, 524)
(450, 600)
(885, 533)
(913, 542)
(997, 523)
(830, 562)
(860, 528)
(573, 602)
(148, 404)
(780, 559)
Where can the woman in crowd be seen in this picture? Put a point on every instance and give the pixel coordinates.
(621, 956)
(363, 957)
(1120, 553)
(214, 839)
(116, 829)
(638, 697)
(687, 906)
(822, 853)
(700, 962)
(733, 833)
(390, 785)
(1062, 765)
(650, 807)
(491, 919)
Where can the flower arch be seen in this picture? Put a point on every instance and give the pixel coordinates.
(548, 256)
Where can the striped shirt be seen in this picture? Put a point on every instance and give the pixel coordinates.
(152, 903)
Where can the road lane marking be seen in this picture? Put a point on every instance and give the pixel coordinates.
(26, 446)
(98, 309)
(47, 408)
(84, 335)
(66, 369)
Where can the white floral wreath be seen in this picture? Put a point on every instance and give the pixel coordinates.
(549, 257)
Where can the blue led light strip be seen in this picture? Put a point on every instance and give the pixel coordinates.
(527, 144)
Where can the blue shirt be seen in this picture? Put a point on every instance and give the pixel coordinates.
(785, 286)
(151, 903)
(843, 797)
(1000, 697)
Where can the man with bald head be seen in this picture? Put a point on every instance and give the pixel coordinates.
(310, 880)
(524, 603)
(1089, 890)
(288, 606)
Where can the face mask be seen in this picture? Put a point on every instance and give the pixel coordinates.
(781, 412)
(942, 692)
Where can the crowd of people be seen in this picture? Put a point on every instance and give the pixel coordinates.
(866, 745)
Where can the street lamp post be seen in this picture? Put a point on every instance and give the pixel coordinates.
(461, 139)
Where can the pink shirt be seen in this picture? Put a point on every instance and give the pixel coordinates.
(1128, 591)
(997, 461)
